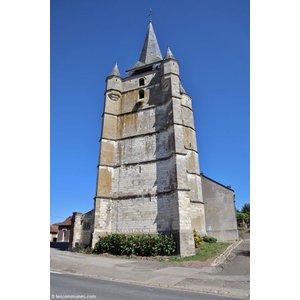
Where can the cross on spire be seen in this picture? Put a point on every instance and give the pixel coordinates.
(150, 15)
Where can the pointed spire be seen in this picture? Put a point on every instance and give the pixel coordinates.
(169, 54)
(115, 71)
(151, 52)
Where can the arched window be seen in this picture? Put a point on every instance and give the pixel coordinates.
(142, 82)
(141, 94)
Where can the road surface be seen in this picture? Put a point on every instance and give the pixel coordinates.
(66, 285)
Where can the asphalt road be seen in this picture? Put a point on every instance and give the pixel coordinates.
(238, 262)
(90, 288)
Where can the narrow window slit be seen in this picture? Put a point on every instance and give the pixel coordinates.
(141, 94)
(142, 81)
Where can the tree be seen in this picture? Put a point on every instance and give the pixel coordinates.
(246, 209)
(242, 219)
(243, 216)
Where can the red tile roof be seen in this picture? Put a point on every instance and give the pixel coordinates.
(53, 228)
(67, 221)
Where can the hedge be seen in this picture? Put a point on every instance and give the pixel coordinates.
(140, 245)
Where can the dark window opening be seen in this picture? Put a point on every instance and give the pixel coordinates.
(86, 226)
(140, 169)
(141, 94)
(142, 70)
(142, 81)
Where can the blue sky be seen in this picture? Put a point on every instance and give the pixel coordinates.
(210, 38)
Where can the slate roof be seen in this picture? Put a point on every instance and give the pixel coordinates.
(115, 71)
(151, 51)
(169, 54)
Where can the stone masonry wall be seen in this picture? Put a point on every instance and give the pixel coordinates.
(148, 168)
(82, 228)
(87, 228)
(219, 210)
(198, 217)
(147, 214)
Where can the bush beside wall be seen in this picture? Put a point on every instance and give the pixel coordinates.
(197, 239)
(140, 245)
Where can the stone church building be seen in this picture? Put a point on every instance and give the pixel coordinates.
(149, 178)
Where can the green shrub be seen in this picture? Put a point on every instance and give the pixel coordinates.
(168, 245)
(209, 239)
(129, 245)
(197, 239)
(110, 244)
(242, 219)
(140, 245)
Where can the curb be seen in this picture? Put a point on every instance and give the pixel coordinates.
(222, 257)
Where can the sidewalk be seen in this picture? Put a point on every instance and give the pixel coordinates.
(231, 278)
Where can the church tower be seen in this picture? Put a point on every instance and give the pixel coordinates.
(148, 173)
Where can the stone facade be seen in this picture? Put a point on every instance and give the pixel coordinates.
(82, 228)
(148, 172)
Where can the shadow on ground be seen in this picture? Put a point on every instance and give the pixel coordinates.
(243, 253)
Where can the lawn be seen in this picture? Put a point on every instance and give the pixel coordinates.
(204, 252)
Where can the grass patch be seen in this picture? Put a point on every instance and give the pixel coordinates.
(204, 252)
(243, 229)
